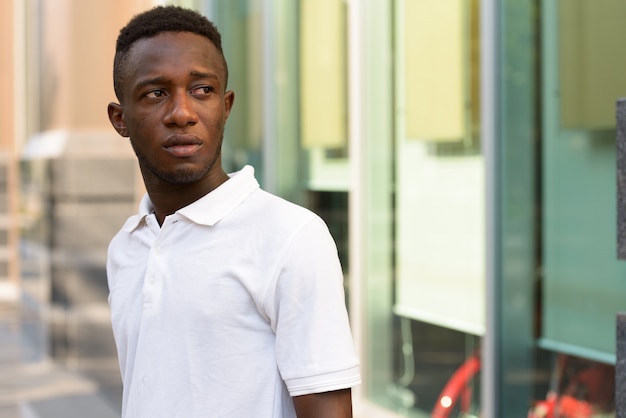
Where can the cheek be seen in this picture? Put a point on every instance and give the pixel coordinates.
(141, 126)
(218, 122)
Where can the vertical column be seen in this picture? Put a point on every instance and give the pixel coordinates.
(91, 177)
(620, 367)
(621, 178)
(620, 364)
(490, 390)
(9, 270)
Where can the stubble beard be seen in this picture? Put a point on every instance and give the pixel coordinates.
(182, 175)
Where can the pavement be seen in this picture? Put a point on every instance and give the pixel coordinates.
(37, 379)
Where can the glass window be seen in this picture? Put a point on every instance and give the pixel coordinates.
(583, 280)
(241, 25)
(579, 387)
(323, 94)
(439, 168)
(323, 74)
(438, 224)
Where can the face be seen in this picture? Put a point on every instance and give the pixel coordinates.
(174, 108)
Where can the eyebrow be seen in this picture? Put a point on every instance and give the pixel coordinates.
(163, 80)
(200, 74)
(150, 81)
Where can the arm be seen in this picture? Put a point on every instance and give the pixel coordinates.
(334, 404)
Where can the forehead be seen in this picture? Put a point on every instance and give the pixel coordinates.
(173, 50)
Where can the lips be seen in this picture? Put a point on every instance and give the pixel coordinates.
(182, 146)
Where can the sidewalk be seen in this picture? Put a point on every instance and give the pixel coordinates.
(32, 385)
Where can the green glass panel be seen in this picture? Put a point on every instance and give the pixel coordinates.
(584, 285)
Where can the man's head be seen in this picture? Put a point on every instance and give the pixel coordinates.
(154, 22)
(170, 77)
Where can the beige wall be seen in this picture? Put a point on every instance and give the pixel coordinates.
(9, 260)
(75, 73)
(78, 44)
(60, 81)
(6, 75)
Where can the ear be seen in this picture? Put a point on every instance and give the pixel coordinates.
(116, 116)
(229, 99)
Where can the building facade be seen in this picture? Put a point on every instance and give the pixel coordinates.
(461, 151)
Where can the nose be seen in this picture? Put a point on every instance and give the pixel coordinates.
(181, 111)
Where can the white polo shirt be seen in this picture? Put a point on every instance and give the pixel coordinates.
(228, 309)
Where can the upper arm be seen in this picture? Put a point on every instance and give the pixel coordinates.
(333, 404)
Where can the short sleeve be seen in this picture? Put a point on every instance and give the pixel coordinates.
(314, 347)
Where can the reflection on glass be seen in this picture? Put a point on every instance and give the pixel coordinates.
(591, 71)
(440, 184)
(434, 81)
(437, 371)
(439, 230)
(323, 73)
(581, 388)
(583, 283)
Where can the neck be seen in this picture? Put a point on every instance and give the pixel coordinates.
(167, 198)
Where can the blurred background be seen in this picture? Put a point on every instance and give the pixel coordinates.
(461, 151)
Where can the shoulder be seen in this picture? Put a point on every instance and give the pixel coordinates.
(276, 212)
(283, 226)
(273, 202)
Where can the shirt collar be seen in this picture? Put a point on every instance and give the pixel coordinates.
(211, 208)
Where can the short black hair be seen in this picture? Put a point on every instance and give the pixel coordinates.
(154, 22)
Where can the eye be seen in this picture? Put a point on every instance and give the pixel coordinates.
(155, 94)
(202, 90)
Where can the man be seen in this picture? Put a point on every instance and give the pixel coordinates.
(226, 301)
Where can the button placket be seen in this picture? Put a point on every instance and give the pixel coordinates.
(157, 264)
